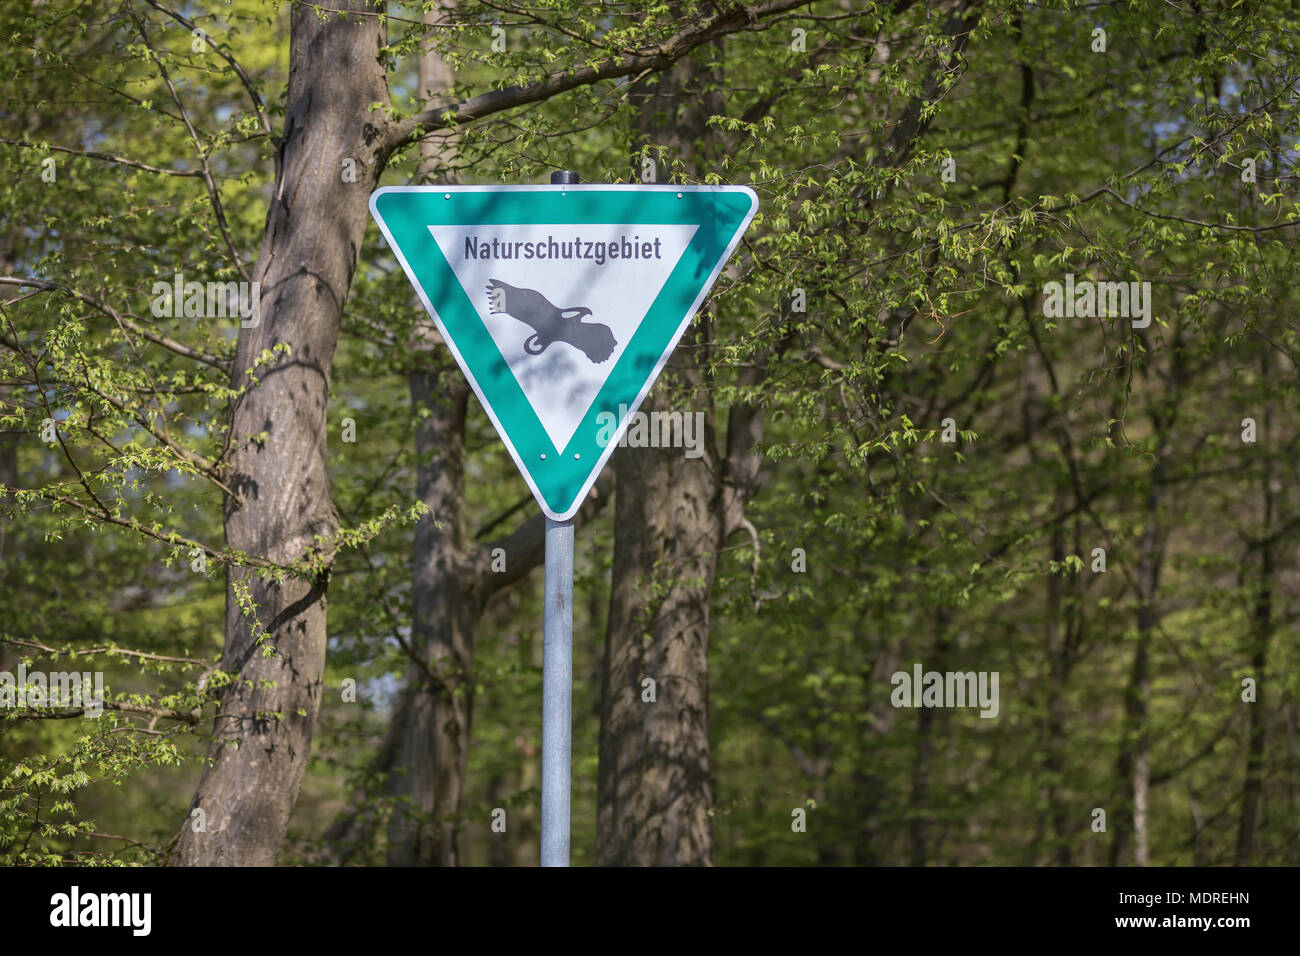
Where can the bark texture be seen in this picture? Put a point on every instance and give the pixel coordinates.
(1262, 626)
(282, 509)
(673, 514)
(430, 770)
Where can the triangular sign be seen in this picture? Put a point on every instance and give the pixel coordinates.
(561, 304)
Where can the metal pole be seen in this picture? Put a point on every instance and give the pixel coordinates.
(557, 692)
(557, 675)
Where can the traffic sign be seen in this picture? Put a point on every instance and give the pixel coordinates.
(562, 303)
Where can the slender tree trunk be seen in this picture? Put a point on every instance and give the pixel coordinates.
(1060, 623)
(1058, 655)
(430, 771)
(8, 472)
(1134, 763)
(355, 832)
(870, 787)
(1198, 826)
(9, 478)
(435, 731)
(1141, 700)
(1261, 632)
(282, 509)
(1252, 790)
(918, 823)
(919, 809)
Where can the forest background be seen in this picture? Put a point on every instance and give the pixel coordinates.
(306, 569)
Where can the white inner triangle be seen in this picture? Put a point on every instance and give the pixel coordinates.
(574, 358)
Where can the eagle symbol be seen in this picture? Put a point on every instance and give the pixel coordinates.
(551, 324)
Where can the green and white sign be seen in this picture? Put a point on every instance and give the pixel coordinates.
(561, 303)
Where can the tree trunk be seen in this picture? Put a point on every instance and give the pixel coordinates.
(920, 810)
(1134, 764)
(8, 471)
(434, 729)
(1261, 632)
(654, 786)
(430, 772)
(673, 516)
(283, 511)
(9, 655)
(1059, 626)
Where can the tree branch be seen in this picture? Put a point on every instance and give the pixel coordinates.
(737, 19)
(180, 348)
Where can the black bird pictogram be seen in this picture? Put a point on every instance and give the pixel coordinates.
(551, 324)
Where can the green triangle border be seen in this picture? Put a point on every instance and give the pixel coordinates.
(560, 480)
